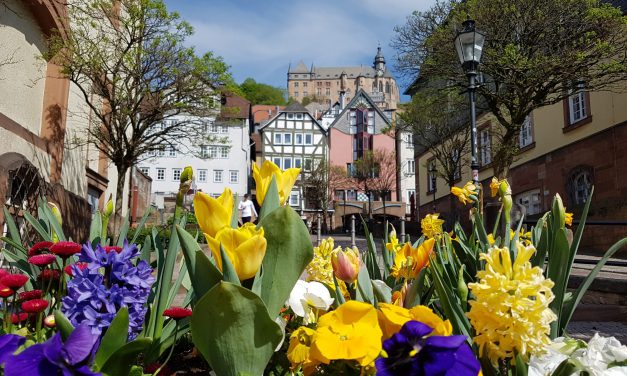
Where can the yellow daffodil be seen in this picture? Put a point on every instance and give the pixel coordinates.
(523, 236)
(568, 219)
(431, 225)
(245, 247)
(346, 264)
(298, 351)
(393, 317)
(350, 332)
(393, 244)
(409, 261)
(213, 213)
(466, 194)
(284, 180)
(504, 191)
(511, 313)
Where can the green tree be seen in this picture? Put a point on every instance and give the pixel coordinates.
(536, 53)
(258, 93)
(128, 60)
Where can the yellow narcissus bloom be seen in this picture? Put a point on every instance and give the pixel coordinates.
(298, 351)
(431, 225)
(393, 245)
(511, 313)
(213, 213)
(284, 180)
(346, 264)
(568, 218)
(350, 332)
(393, 317)
(409, 261)
(464, 194)
(245, 247)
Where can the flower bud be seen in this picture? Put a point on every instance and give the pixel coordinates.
(49, 321)
(186, 179)
(346, 264)
(108, 208)
(56, 212)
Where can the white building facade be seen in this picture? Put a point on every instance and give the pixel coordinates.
(407, 169)
(293, 138)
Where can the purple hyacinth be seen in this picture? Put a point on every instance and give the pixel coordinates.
(110, 281)
(412, 352)
(54, 357)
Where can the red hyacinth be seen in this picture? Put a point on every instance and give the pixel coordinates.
(18, 318)
(177, 313)
(14, 281)
(48, 274)
(34, 306)
(80, 265)
(42, 260)
(5, 292)
(38, 248)
(30, 295)
(109, 248)
(65, 249)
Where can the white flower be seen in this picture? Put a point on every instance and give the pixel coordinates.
(307, 296)
(601, 352)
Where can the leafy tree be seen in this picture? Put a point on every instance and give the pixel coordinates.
(375, 172)
(536, 54)
(258, 93)
(129, 62)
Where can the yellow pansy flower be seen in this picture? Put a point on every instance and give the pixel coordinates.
(284, 180)
(510, 313)
(431, 225)
(393, 317)
(298, 351)
(350, 332)
(245, 247)
(409, 261)
(213, 213)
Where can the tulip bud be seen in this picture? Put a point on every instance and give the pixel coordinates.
(56, 213)
(186, 179)
(108, 208)
(346, 264)
(49, 321)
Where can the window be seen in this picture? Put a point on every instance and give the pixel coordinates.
(431, 176)
(204, 151)
(171, 151)
(233, 176)
(304, 84)
(277, 161)
(224, 152)
(224, 129)
(411, 167)
(214, 127)
(145, 170)
(319, 91)
(387, 88)
(217, 176)
(308, 139)
(213, 152)
(202, 176)
(485, 147)
(411, 192)
(580, 185)
(176, 174)
(328, 91)
(318, 83)
(531, 200)
(298, 162)
(577, 104)
(455, 160)
(294, 199)
(298, 139)
(295, 93)
(299, 116)
(278, 138)
(290, 116)
(161, 151)
(526, 133)
(409, 138)
(287, 163)
(295, 84)
(327, 84)
(305, 93)
(160, 174)
(308, 164)
(350, 169)
(287, 139)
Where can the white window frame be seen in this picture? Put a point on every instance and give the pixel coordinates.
(294, 199)
(171, 151)
(577, 110)
(162, 171)
(298, 162)
(307, 164)
(202, 176)
(218, 176)
(204, 151)
(145, 170)
(224, 152)
(485, 147)
(287, 163)
(300, 116)
(298, 136)
(526, 133)
(531, 200)
(310, 137)
(213, 152)
(224, 129)
(277, 138)
(411, 167)
(231, 175)
(277, 159)
(176, 174)
(287, 138)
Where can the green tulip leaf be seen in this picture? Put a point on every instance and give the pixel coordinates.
(114, 338)
(64, 325)
(240, 337)
(288, 252)
(121, 361)
(202, 272)
(364, 287)
(271, 201)
(228, 271)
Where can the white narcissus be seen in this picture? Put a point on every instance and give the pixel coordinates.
(307, 296)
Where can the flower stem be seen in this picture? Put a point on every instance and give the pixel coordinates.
(38, 327)
(176, 331)
(5, 316)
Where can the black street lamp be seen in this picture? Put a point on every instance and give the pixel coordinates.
(469, 45)
(434, 182)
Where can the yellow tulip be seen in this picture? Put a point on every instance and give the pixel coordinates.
(392, 318)
(284, 180)
(346, 264)
(245, 247)
(213, 213)
(409, 261)
(349, 332)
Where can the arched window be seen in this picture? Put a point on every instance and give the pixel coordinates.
(374, 87)
(381, 87)
(387, 88)
(580, 184)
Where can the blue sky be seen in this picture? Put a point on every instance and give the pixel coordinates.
(260, 38)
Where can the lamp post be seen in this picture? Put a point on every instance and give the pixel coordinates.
(469, 45)
(434, 182)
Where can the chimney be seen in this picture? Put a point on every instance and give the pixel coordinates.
(342, 94)
(276, 109)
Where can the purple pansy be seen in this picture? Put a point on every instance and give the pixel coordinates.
(110, 281)
(412, 352)
(54, 357)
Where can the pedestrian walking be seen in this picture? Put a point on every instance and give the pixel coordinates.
(247, 209)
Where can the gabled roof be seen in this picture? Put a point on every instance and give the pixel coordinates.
(300, 68)
(296, 108)
(361, 94)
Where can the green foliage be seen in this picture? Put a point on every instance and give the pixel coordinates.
(258, 93)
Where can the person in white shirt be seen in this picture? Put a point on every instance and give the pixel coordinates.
(247, 209)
